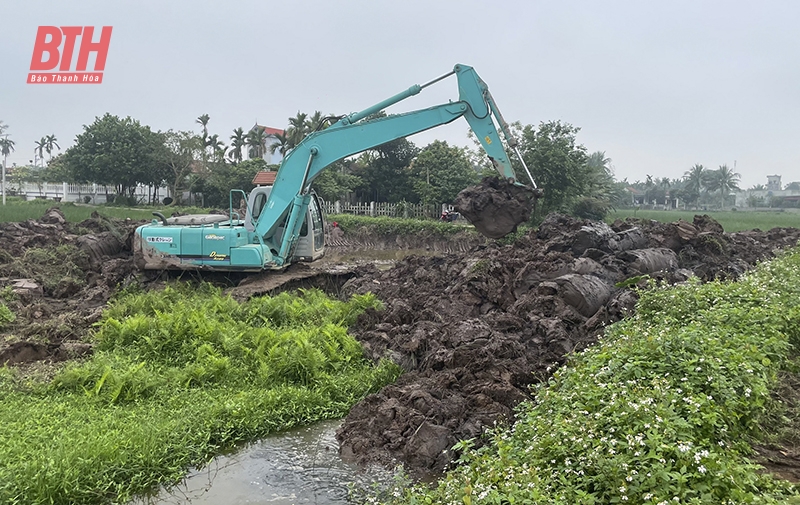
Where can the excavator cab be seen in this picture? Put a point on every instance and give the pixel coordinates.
(310, 244)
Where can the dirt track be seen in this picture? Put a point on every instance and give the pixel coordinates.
(473, 329)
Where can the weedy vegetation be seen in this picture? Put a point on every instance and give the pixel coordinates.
(397, 226)
(178, 376)
(52, 267)
(664, 410)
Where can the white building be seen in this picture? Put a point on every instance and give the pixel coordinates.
(767, 197)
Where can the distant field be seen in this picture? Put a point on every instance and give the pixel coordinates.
(18, 210)
(731, 221)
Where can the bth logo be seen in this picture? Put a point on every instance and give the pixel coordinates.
(54, 50)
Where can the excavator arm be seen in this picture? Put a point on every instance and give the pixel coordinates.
(353, 134)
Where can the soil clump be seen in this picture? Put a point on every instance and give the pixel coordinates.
(474, 331)
(56, 277)
(495, 206)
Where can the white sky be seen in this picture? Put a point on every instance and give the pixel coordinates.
(658, 86)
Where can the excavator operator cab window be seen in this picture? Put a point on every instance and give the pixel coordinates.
(317, 222)
(258, 205)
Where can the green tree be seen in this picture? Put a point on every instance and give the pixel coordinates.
(723, 180)
(256, 142)
(384, 173)
(281, 145)
(116, 152)
(335, 182)
(203, 121)
(41, 145)
(6, 148)
(225, 177)
(51, 143)
(298, 128)
(182, 151)
(557, 162)
(440, 171)
(601, 192)
(217, 147)
(695, 179)
(238, 140)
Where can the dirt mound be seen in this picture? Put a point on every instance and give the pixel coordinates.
(62, 274)
(474, 331)
(495, 206)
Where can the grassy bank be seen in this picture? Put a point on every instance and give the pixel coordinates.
(178, 376)
(731, 221)
(662, 411)
(397, 226)
(17, 210)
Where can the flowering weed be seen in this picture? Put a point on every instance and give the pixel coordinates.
(661, 411)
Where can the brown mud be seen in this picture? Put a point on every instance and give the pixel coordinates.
(473, 325)
(495, 206)
(61, 275)
(474, 331)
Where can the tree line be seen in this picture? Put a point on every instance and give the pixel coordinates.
(699, 186)
(122, 153)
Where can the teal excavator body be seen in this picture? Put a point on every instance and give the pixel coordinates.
(284, 223)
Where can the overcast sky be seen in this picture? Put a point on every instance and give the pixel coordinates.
(658, 86)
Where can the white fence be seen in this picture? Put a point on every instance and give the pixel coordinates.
(374, 209)
(65, 192)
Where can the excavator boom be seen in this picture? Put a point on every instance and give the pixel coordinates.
(355, 133)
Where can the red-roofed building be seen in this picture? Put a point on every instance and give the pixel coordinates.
(265, 178)
(272, 138)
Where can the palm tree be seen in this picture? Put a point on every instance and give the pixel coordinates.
(41, 145)
(724, 180)
(3, 127)
(6, 148)
(599, 179)
(216, 145)
(238, 140)
(51, 142)
(281, 144)
(727, 181)
(315, 121)
(203, 120)
(298, 128)
(256, 141)
(695, 179)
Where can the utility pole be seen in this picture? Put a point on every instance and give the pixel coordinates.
(4, 171)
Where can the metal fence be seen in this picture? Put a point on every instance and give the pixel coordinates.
(64, 192)
(374, 209)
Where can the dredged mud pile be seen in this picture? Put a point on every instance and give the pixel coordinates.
(495, 207)
(474, 331)
(62, 275)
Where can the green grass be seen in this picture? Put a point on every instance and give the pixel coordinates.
(17, 210)
(662, 411)
(177, 377)
(731, 221)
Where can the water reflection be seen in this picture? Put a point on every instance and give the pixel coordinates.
(300, 466)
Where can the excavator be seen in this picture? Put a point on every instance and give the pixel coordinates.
(283, 223)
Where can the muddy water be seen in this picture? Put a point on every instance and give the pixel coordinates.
(300, 466)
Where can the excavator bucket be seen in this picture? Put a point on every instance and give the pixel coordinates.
(496, 206)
